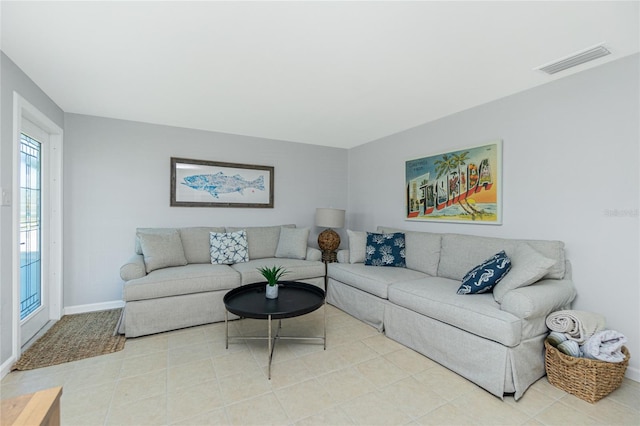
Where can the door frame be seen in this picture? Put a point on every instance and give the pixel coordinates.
(22, 109)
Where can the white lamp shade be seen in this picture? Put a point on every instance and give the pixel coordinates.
(330, 218)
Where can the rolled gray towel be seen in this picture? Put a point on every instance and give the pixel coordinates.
(571, 348)
(577, 325)
(555, 338)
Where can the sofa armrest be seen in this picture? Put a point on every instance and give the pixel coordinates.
(539, 299)
(343, 256)
(313, 254)
(134, 268)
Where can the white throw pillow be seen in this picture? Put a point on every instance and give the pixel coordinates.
(357, 246)
(161, 249)
(228, 247)
(527, 267)
(293, 243)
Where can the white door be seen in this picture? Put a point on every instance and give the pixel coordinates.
(34, 288)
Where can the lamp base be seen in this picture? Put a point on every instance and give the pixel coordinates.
(329, 256)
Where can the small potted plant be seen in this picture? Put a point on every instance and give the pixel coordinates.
(272, 275)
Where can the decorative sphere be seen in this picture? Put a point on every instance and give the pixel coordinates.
(328, 240)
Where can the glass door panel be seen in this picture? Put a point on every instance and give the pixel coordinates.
(30, 226)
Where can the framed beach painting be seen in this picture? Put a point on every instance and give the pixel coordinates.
(200, 183)
(462, 186)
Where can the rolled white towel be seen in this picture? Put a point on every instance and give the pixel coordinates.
(577, 325)
(605, 345)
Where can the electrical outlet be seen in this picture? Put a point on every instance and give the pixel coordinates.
(6, 197)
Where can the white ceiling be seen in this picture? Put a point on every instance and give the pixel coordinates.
(328, 73)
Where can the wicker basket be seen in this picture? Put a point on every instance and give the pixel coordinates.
(588, 379)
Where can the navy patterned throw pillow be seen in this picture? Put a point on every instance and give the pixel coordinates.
(385, 250)
(485, 276)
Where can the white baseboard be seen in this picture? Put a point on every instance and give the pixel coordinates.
(633, 374)
(5, 368)
(79, 309)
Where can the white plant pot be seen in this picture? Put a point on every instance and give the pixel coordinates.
(272, 291)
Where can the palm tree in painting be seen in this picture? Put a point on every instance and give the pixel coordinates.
(447, 164)
(444, 166)
(459, 160)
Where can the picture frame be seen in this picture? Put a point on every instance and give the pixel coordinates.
(202, 183)
(461, 186)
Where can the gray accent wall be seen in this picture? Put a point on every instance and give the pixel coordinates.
(570, 173)
(12, 79)
(116, 178)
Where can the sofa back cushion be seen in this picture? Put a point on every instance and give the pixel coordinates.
(460, 253)
(263, 240)
(161, 249)
(357, 246)
(422, 249)
(195, 241)
(527, 267)
(293, 243)
(150, 231)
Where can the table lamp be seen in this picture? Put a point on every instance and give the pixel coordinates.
(329, 240)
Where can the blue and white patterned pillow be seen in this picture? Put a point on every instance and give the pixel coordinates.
(485, 276)
(228, 247)
(385, 250)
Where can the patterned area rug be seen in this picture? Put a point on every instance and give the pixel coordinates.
(74, 337)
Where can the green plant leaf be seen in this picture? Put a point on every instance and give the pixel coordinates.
(273, 274)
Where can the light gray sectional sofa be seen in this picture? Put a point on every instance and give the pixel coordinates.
(493, 339)
(170, 283)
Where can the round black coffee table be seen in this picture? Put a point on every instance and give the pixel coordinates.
(294, 299)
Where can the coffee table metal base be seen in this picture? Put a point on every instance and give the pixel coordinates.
(273, 339)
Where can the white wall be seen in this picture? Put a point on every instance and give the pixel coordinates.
(570, 173)
(13, 79)
(116, 178)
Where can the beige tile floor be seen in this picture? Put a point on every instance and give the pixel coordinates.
(187, 377)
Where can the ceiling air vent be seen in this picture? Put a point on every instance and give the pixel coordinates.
(575, 59)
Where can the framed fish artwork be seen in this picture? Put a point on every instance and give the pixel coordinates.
(462, 186)
(201, 183)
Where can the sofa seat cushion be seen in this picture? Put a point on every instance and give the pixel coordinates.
(479, 314)
(297, 269)
(371, 279)
(188, 279)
